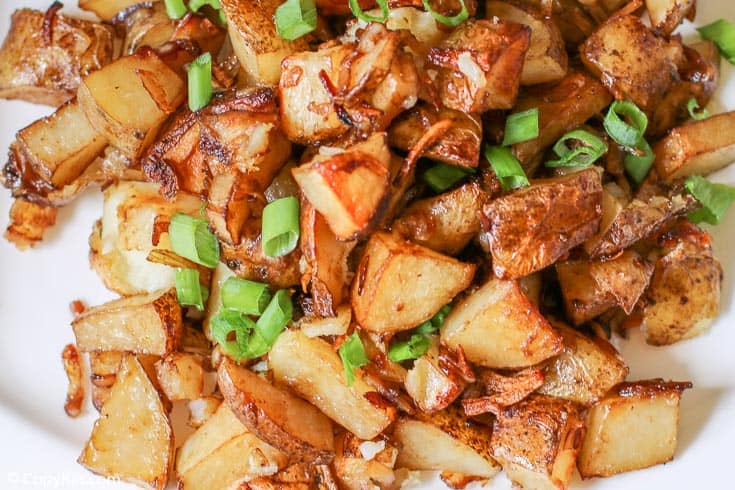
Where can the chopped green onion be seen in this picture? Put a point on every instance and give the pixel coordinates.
(358, 12)
(195, 5)
(200, 82)
(175, 9)
(715, 199)
(638, 166)
(248, 297)
(589, 149)
(275, 317)
(225, 323)
(722, 33)
(622, 132)
(507, 167)
(280, 227)
(191, 238)
(353, 356)
(295, 18)
(441, 176)
(450, 21)
(415, 347)
(188, 289)
(694, 112)
(432, 325)
(520, 127)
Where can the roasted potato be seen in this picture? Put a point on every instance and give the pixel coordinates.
(354, 469)
(583, 298)
(147, 25)
(400, 284)
(498, 327)
(331, 325)
(633, 427)
(312, 369)
(201, 409)
(132, 440)
(181, 376)
(106, 9)
(45, 65)
(419, 23)
(145, 324)
(666, 15)
(535, 226)
(430, 387)
(28, 223)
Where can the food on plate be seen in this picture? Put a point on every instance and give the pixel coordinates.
(353, 240)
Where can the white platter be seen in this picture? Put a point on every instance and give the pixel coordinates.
(39, 443)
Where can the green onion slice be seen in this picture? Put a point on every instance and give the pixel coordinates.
(415, 347)
(432, 325)
(628, 134)
(358, 12)
(715, 199)
(722, 33)
(275, 317)
(191, 238)
(195, 5)
(175, 9)
(521, 126)
(227, 322)
(450, 21)
(694, 112)
(248, 297)
(280, 226)
(200, 82)
(587, 151)
(188, 289)
(353, 356)
(638, 166)
(507, 167)
(441, 176)
(295, 18)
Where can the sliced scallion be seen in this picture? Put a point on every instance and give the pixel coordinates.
(626, 133)
(507, 167)
(191, 238)
(586, 152)
(722, 33)
(454, 20)
(413, 348)
(441, 176)
(521, 126)
(200, 82)
(248, 297)
(295, 18)
(353, 356)
(188, 289)
(694, 110)
(175, 9)
(715, 199)
(222, 327)
(275, 317)
(280, 226)
(358, 12)
(638, 166)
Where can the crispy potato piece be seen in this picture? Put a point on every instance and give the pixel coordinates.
(546, 59)
(666, 15)
(295, 477)
(587, 368)
(445, 441)
(202, 409)
(355, 470)
(258, 47)
(445, 223)
(459, 145)
(214, 303)
(333, 325)
(45, 65)
(418, 22)
(106, 9)
(277, 417)
(400, 284)
(535, 226)
(498, 327)
(146, 324)
(181, 376)
(632, 62)
(147, 25)
(697, 148)
(684, 297)
(537, 440)
(28, 223)
(315, 372)
(584, 299)
(75, 375)
(633, 427)
(105, 97)
(468, 80)
(503, 391)
(431, 387)
(132, 440)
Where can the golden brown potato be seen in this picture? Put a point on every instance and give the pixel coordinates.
(666, 15)
(535, 226)
(277, 417)
(146, 324)
(633, 427)
(132, 440)
(585, 371)
(468, 80)
(498, 327)
(400, 284)
(201, 409)
(418, 22)
(430, 387)
(632, 62)
(143, 77)
(147, 25)
(45, 65)
(28, 223)
(546, 59)
(583, 298)
(445, 223)
(355, 470)
(537, 440)
(312, 369)
(697, 148)
(295, 477)
(106, 9)
(181, 376)
(332, 325)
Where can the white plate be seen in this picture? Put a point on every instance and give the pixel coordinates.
(40, 443)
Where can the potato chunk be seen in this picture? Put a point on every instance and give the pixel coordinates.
(533, 227)
(400, 284)
(431, 387)
(633, 427)
(106, 9)
(181, 376)
(45, 66)
(312, 369)
(132, 440)
(277, 417)
(498, 327)
(356, 471)
(28, 223)
(537, 440)
(480, 65)
(146, 324)
(666, 15)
